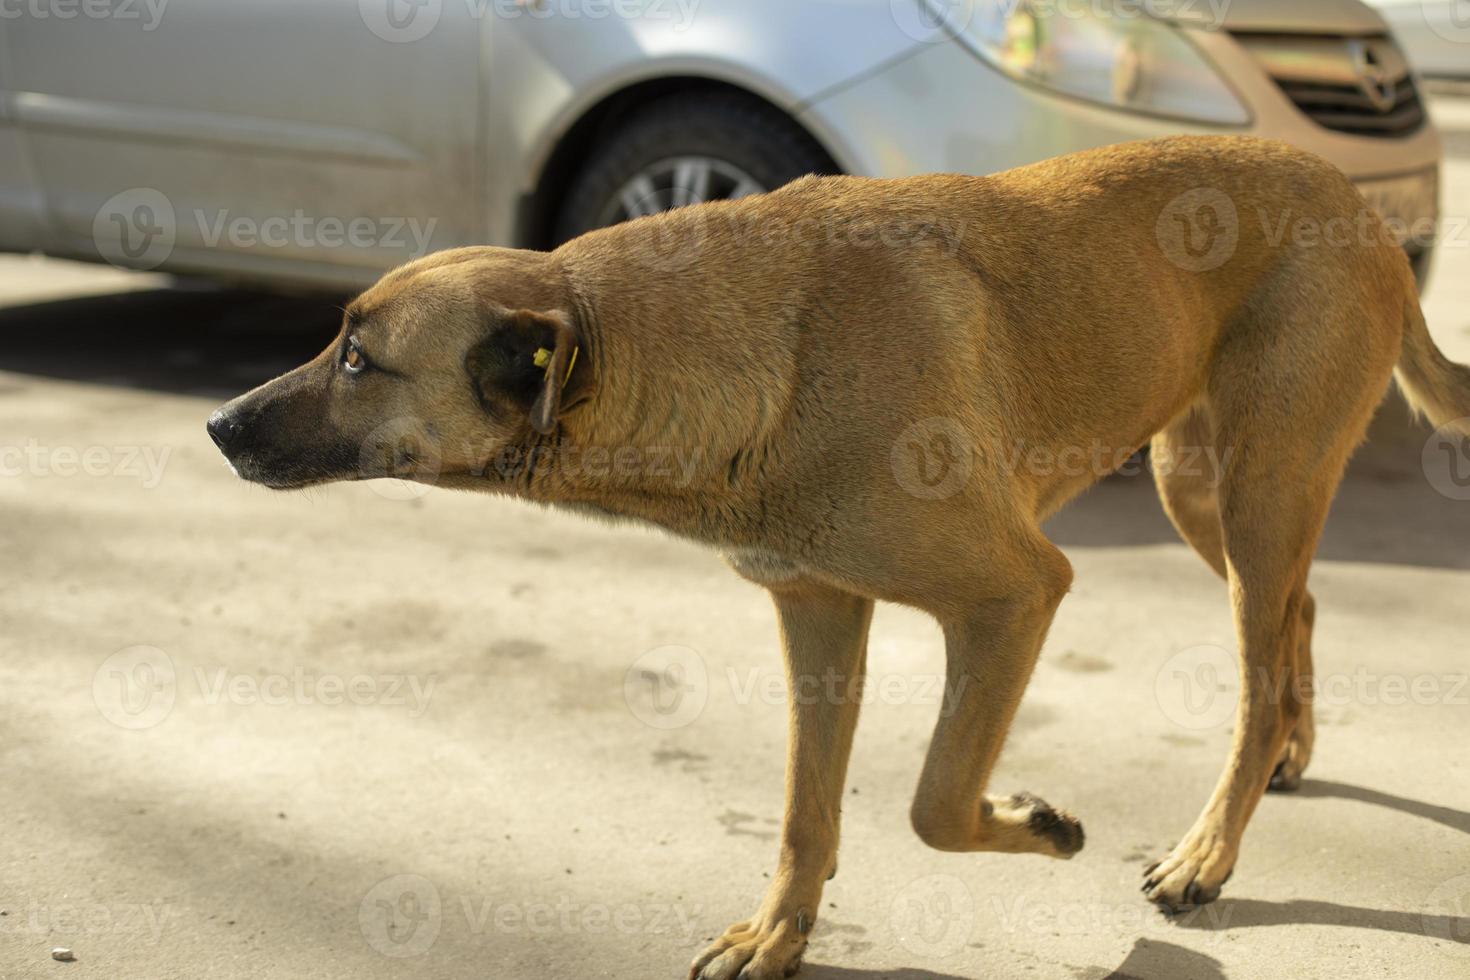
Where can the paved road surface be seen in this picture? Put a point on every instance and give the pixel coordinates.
(371, 734)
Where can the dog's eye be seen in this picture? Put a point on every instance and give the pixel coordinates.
(353, 359)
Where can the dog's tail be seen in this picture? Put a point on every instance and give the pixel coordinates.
(1434, 385)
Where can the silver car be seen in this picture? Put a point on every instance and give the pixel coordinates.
(321, 141)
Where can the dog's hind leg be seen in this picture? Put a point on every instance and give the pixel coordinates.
(1287, 774)
(824, 633)
(1188, 467)
(992, 639)
(1287, 448)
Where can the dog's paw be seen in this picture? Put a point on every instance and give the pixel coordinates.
(1191, 875)
(1286, 778)
(1288, 773)
(1052, 831)
(756, 950)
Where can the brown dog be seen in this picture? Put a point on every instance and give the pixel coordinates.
(860, 369)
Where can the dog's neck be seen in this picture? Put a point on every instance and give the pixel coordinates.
(668, 422)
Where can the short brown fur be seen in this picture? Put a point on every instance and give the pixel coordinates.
(798, 356)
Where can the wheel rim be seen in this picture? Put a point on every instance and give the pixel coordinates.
(674, 182)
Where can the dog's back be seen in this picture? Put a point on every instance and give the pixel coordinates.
(1082, 301)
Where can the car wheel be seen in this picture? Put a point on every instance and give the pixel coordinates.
(686, 149)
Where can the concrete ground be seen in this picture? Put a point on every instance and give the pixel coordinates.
(362, 732)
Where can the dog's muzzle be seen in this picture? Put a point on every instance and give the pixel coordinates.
(274, 436)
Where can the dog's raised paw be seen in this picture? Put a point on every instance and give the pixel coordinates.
(1057, 827)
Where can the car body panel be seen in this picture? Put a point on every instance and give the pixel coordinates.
(248, 112)
(22, 207)
(446, 113)
(1271, 16)
(1435, 33)
(869, 131)
(563, 68)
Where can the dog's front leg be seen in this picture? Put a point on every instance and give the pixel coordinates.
(825, 634)
(990, 650)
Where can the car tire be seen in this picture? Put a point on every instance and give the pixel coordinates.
(657, 158)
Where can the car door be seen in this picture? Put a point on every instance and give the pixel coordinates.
(21, 211)
(302, 138)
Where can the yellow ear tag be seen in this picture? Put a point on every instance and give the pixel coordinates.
(571, 363)
(542, 359)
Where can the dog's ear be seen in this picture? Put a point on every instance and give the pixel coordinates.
(529, 361)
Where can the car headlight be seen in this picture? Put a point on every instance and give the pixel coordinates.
(1121, 57)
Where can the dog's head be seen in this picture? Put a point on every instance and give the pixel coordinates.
(440, 366)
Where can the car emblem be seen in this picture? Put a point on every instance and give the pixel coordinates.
(1372, 76)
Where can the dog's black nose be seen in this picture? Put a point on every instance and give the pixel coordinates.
(223, 429)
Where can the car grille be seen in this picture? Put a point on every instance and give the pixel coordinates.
(1352, 85)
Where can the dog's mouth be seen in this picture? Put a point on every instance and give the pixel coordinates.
(281, 448)
(290, 474)
(334, 466)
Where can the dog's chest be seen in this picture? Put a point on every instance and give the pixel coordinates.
(762, 566)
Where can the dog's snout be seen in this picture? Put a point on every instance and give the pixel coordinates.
(224, 429)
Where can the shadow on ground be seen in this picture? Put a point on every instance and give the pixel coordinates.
(1249, 913)
(1448, 816)
(1150, 959)
(197, 340)
(1387, 510)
